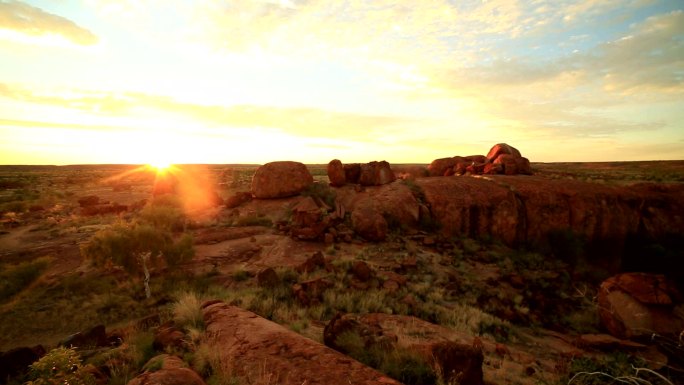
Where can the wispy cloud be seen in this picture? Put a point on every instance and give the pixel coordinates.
(304, 121)
(33, 21)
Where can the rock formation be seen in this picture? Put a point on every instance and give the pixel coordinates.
(280, 180)
(633, 305)
(259, 349)
(367, 174)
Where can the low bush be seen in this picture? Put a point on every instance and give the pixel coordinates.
(15, 279)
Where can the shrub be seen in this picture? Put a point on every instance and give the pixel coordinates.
(15, 279)
(60, 366)
(187, 312)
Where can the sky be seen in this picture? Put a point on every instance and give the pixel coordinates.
(180, 81)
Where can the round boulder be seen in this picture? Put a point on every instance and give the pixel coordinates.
(280, 180)
(336, 173)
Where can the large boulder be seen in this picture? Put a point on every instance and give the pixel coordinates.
(633, 305)
(336, 173)
(280, 180)
(369, 223)
(308, 220)
(376, 174)
(500, 149)
(352, 172)
(251, 344)
(439, 167)
(16, 361)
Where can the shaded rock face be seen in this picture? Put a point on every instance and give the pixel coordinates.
(336, 173)
(16, 361)
(238, 199)
(526, 210)
(280, 180)
(501, 159)
(459, 362)
(634, 305)
(308, 220)
(439, 167)
(258, 348)
(367, 174)
(90, 338)
(376, 174)
(369, 223)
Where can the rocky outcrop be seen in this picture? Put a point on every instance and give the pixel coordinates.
(262, 351)
(368, 223)
(280, 180)
(167, 370)
(367, 174)
(456, 361)
(501, 159)
(336, 173)
(93, 337)
(16, 361)
(634, 305)
(523, 210)
(238, 199)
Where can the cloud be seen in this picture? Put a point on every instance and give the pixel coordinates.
(304, 121)
(33, 21)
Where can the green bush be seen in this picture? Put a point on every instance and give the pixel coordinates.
(60, 366)
(123, 244)
(17, 278)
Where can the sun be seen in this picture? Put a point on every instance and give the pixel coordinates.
(160, 167)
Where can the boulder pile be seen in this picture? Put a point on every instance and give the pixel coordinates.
(501, 159)
(367, 174)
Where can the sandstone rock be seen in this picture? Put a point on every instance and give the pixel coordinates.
(311, 292)
(336, 173)
(237, 199)
(523, 165)
(260, 349)
(168, 336)
(280, 180)
(607, 342)
(376, 174)
(508, 162)
(352, 172)
(369, 223)
(477, 159)
(459, 362)
(439, 167)
(314, 262)
(93, 337)
(308, 220)
(502, 148)
(361, 271)
(16, 361)
(267, 278)
(172, 372)
(634, 305)
(472, 207)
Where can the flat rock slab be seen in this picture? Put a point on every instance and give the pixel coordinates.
(258, 348)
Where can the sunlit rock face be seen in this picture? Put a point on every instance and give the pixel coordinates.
(280, 180)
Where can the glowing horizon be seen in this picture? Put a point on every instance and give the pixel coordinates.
(217, 82)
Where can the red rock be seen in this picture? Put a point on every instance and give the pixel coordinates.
(336, 174)
(352, 172)
(244, 340)
(502, 148)
(237, 199)
(493, 168)
(280, 180)
(625, 316)
(410, 172)
(439, 167)
(607, 342)
(267, 278)
(475, 159)
(328, 238)
(311, 292)
(369, 223)
(361, 271)
(461, 168)
(457, 361)
(168, 336)
(523, 165)
(308, 220)
(314, 262)
(476, 168)
(508, 162)
(173, 376)
(376, 174)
